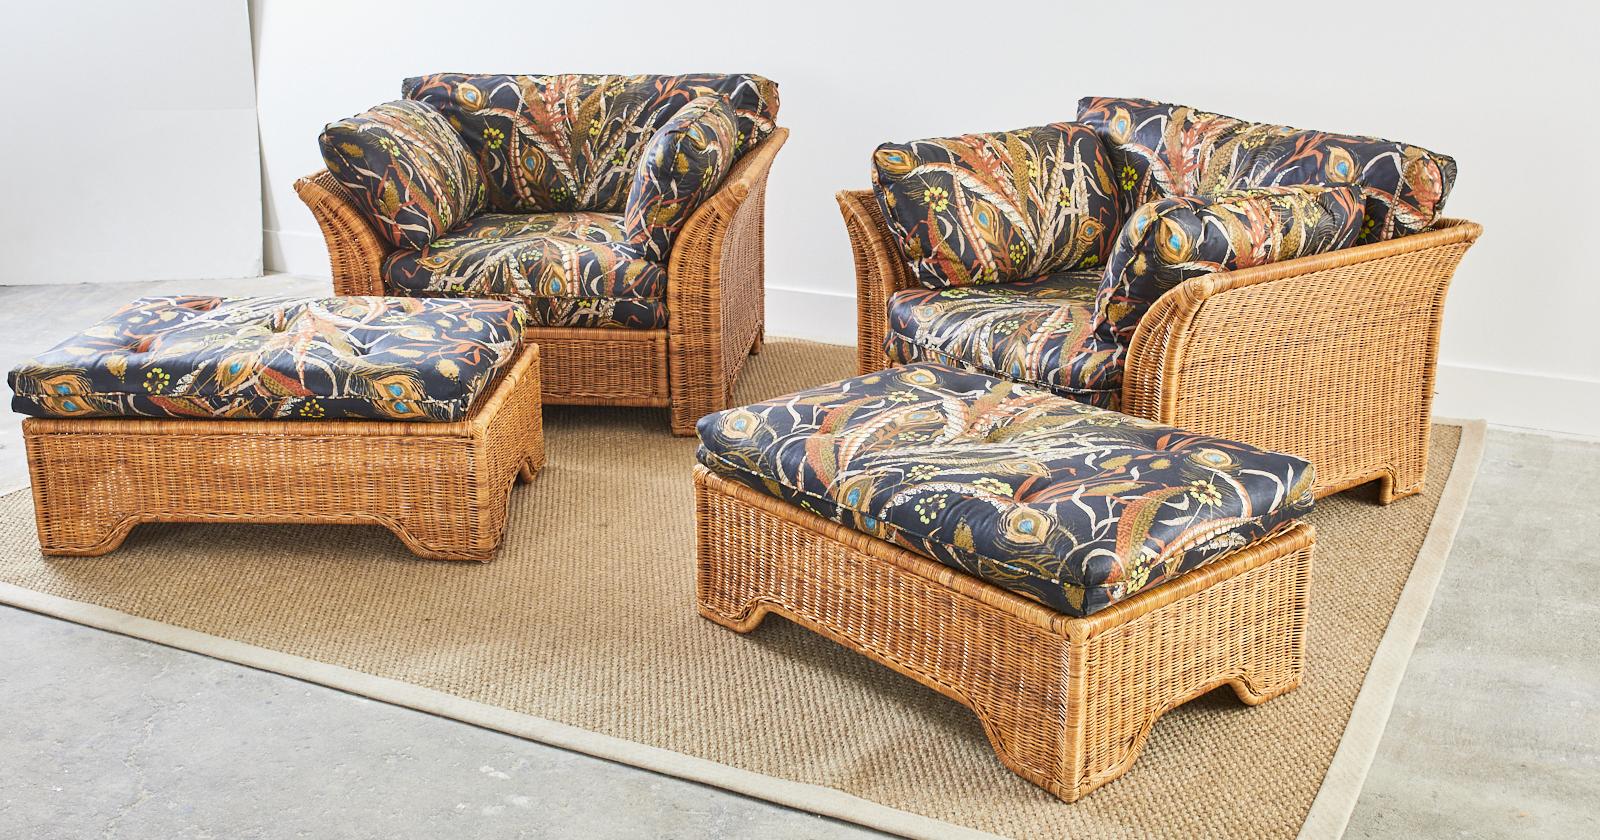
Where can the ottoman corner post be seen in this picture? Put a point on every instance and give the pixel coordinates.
(74, 517)
(719, 595)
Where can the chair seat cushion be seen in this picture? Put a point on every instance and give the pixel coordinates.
(1038, 331)
(1073, 506)
(278, 358)
(571, 269)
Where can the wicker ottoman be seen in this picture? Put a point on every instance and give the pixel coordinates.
(867, 511)
(416, 415)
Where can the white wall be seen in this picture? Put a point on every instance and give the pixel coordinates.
(1511, 94)
(129, 142)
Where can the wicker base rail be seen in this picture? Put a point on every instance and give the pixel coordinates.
(1066, 702)
(443, 488)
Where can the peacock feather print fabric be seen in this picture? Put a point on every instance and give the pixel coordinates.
(1168, 241)
(1070, 505)
(1161, 150)
(992, 208)
(569, 269)
(407, 170)
(276, 358)
(681, 167)
(570, 142)
(1038, 331)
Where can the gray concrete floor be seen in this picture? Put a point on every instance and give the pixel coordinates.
(1496, 732)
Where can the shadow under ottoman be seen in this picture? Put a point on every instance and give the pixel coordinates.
(442, 488)
(1067, 702)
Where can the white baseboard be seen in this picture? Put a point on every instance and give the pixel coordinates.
(806, 313)
(294, 252)
(1519, 398)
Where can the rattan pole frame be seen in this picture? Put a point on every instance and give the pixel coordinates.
(1331, 357)
(715, 300)
(1067, 703)
(442, 488)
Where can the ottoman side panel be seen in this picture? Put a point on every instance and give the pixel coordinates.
(755, 557)
(94, 479)
(1243, 627)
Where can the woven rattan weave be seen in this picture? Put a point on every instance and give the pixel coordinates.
(1066, 702)
(1330, 357)
(443, 488)
(715, 301)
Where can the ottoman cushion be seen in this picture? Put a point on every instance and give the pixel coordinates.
(276, 358)
(1074, 506)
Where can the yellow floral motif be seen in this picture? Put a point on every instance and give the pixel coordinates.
(594, 128)
(156, 380)
(922, 472)
(928, 509)
(936, 198)
(448, 369)
(901, 397)
(1129, 177)
(1205, 492)
(312, 409)
(494, 137)
(1019, 252)
(989, 484)
(1065, 198)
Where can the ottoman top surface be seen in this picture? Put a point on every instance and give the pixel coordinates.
(279, 358)
(1073, 506)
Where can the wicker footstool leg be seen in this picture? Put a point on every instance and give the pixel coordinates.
(1066, 702)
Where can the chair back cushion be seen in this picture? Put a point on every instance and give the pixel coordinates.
(407, 170)
(992, 208)
(572, 142)
(1161, 150)
(681, 167)
(1170, 240)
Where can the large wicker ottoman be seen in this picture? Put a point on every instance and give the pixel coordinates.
(1067, 572)
(417, 415)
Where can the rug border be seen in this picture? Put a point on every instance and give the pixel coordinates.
(1341, 787)
(1329, 813)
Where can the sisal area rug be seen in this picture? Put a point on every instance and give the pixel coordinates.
(583, 634)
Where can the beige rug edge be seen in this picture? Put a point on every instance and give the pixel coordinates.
(1341, 786)
(1330, 811)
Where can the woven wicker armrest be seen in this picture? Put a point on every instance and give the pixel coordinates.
(880, 272)
(715, 288)
(354, 249)
(1330, 357)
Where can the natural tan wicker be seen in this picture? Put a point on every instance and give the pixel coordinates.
(1330, 357)
(443, 488)
(1066, 702)
(715, 301)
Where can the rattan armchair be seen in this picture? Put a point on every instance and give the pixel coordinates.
(715, 298)
(1330, 357)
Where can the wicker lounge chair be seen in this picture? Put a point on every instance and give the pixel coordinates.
(714, 293)
(1330, 356)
